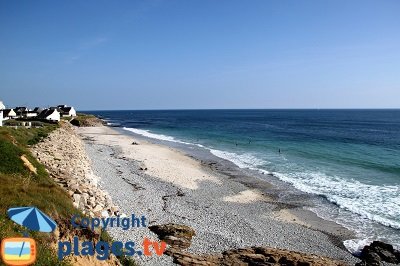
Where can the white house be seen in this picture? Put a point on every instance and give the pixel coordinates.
(9, 114)
(66, 111)
(31, 114)
(21, 111)
(50, 115)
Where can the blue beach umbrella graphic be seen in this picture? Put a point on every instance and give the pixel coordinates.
(32, 218)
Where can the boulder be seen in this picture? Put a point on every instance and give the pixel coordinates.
(378, 252)
(385, 251)
(85, 197)
(77, 198)
(397, 254)
(176, 235)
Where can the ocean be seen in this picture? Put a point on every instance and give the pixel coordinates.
(350, 158)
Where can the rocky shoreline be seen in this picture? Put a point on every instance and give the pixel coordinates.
(64, 155)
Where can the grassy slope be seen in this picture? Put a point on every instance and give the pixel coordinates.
(19, 187)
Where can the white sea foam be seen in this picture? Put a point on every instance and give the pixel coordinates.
(377, 203)
(148, 134)
(356, 245)
(242, 160)
(112, 124)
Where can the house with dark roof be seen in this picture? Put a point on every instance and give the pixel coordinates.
(50, 114)
(38, 110)
(30, 114)
(66, 111)
(21, 111)
(9, 114)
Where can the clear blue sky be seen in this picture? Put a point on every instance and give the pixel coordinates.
(200, 54)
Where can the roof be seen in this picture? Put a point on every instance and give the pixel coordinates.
(45, 113)
(55, 108)
(66, 109)
(6, 112)
(38, 110)
(21, 108)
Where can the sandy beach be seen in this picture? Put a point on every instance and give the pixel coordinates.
(166, 185)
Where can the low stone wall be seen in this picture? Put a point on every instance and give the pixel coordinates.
(63, 153)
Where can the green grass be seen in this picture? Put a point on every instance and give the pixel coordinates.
(16, 142)
(20, 187)
(10, 161)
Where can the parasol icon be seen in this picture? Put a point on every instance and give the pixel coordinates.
(32, 218)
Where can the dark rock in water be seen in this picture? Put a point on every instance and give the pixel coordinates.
(386, 255)
(369, 257)
(382, 245)
(176, 235)
(377, 252)
(135, 143)
(397, 254)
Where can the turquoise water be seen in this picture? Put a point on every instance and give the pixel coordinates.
(349, 157)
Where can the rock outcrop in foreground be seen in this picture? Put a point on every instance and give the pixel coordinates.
(254, 256)
(63, 153)
(179, 237)
(175, 235)
(377, 252)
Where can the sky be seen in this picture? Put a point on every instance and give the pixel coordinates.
(155, 54)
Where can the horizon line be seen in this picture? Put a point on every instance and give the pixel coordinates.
(238, 109)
